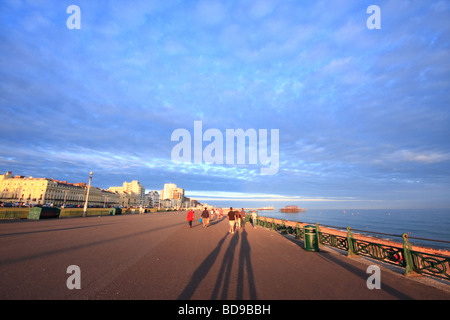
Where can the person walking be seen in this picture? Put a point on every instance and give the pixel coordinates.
(190, 217)
(205, 217)
(231, 219)
(254, 218)
(243, 218)
(237, 219)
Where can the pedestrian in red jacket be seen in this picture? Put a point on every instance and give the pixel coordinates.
(190, 217)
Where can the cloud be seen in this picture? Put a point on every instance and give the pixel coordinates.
(355, 107)
(260, 9)
(259, 197)
(419, 156)
(211, 12)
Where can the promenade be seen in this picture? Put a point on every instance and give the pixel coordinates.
(157, 256)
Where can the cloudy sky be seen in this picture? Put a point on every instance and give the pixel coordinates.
(363, 114)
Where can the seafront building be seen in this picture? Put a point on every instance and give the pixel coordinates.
(45, 191)
(133, 193)
(172, 192)
(166, 193)
(152, 199)
(23, 190)
(173, 197)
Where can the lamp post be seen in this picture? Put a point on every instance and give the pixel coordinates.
(87, 194)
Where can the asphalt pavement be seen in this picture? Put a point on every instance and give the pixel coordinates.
(157, 256)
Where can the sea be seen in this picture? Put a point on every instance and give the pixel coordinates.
(421, 225)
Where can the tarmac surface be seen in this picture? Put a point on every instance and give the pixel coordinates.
(157, 256)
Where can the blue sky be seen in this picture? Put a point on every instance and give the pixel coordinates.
(363, 115)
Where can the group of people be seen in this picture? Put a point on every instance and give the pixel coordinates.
(205, 216)
(235, 217)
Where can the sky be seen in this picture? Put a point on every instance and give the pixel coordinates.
(362, 113)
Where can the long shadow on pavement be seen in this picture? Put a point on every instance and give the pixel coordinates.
(82, 246)
(225, 270)
(222, 284)
(244, 259)
(201, 272)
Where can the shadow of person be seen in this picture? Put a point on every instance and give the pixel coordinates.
(223, 278)
(200, 273)
(215, 221)
(245, 261)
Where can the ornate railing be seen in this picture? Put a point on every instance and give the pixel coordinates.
(333, 240)
(414, 262)
(429, 264)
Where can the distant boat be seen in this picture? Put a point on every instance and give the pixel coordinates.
(292, 209)
(265, 208)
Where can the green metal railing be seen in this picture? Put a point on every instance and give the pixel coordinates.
(414, 262)
(13, 213)
(78, 212)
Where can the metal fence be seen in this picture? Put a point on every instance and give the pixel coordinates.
(13, 213)
(414, 262)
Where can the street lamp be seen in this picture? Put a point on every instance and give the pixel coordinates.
(87, 194)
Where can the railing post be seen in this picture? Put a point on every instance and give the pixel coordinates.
(409, 264)
(351, 249)
(283, 227)
(318, 234)
(297, 231)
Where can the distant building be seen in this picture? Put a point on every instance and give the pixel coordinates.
(45, 191)
(136, 187)
(167, 192)
(172, 197)
(178, 194)
(127, 199)
(132, 193)
(152, 199)
(172, 192)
